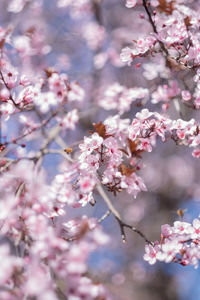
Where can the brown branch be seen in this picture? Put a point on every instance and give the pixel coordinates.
(124, 225)
(154, 26)
(44, 123)
(150, 17)
(108, 202)
(97, 11)
(104, 216)
(116, 214)
(10, 96)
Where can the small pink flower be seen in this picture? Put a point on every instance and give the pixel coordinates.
(127, 55)
(196, 153)
(131, 3)
(86, 184)
(144, 114)
(181, 227)
(186, 96)
(70, 120)
(76, 93)
(166, 230)
(196, 227)
(181, 134)
(151, 254)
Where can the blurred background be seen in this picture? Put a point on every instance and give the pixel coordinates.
(84, 38)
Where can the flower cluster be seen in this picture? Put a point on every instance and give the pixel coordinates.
(76, 8)
(179, 243)
(26, 211)
(44, 249)
(111, 148)
(141, 48)
(120, 98)
(112, 156)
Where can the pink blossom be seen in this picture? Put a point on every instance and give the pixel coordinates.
(7, 109)
(23, 46)
(70, 120)
(168, 251)
(15, 6)
(49, 174)
(112, 150)
(166, 230)
(181, 227)
(45, 100)
(9, 264)
(131, 3)
(186, 95)
(127, 55)
(86, 184)
(90, 30)
(196, 153)
(181, 134)
(4, 94)
(195, 231)
(90, 144)
(151, 254)
(144, 114)
(145, 145)
(76, 93)
(141, 47)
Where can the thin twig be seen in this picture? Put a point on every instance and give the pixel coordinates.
(104, 216)
(122, 224)
(150, 17)
(63, 145)
(137, 231)
(10, 96)
(108, 202)
(154, 27)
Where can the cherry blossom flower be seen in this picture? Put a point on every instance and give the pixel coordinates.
(70, 120)
(196, 153)
(151, 253)
(90, 30)
(7, 109)
(131, 3)
(90, 144)
(10, 263)
(195, 231)
(141, 47)
(166, 230)
(127, 55)
(23, 46)
(186, 96)
(45, 101)
(15, 6)
(40, 196)
(120, 98)
(179, 243)
(86, 184)
(76, 93)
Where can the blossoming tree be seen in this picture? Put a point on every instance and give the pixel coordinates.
(72, 140)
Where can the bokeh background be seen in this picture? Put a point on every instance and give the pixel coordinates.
(83, 38)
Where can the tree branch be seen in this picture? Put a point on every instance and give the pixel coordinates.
(154, 26)
(122, 224)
